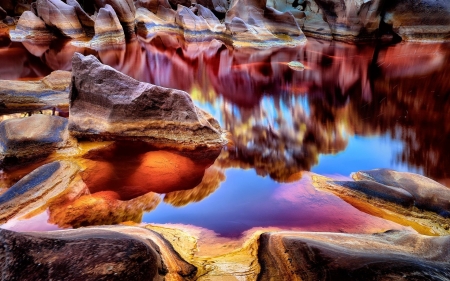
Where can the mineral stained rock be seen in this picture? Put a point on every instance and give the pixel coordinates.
(335, 256)
(108, 30)
(35, 191)
(23, 96)
(60, 16)
(32, 137)
(31, 27)
(218, 6)
(82, 254)
(86, 21)
(125, 11)
(106, 104)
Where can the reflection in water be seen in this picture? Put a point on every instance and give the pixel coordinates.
(280, 122)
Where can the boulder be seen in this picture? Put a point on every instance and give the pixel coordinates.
(106, 104)
(125, 12)
(34, 192)
(23, 96)
(32, 137)
(60, 16)
(108, 30)
(86, 21)
(337, 256)
(31, 27)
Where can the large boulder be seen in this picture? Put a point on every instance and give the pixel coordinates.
(28, 138)
(23, 96)
(337, 256)
(61, 17)
(125, 10)
(31, 27)
(106, 104)
(108, 30)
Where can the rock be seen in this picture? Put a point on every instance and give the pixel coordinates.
(82, 254)
(34, 192)
(23, 96)
(152, 5)
(336, 256)
(175, 3)
(149, 24)
(125, 12)
(106, 104)
(8, 6)
(20, 8)
(428, 194)
(296, 65)
(32, 137)
(86, 21)
(60, 16)
(31, 27)
(108, 30)
(218, 6)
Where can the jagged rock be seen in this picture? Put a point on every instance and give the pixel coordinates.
(125, 11)
(34, 192)
(31, 27)
(60, 16)
(108, 30)
(106, 104)
(219, 6)
(86, 254)
(32, 137)
(428, 194)
(86, 21)
(337, 256)
(50, 92)
(152, 5)
(175, 3)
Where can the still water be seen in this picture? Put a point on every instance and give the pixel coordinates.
(352, 108)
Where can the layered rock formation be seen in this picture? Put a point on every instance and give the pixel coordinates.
(60, 16)
(337, 256)
(31, 27)
(108, 30)
(106, 104)
(85, 19)
(20, 96)
(125, 10)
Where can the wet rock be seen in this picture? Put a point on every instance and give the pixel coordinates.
(34, 192)
(23, 96)
(31, 27)
(86, 21)
(106, 104)
(108, 30)
(83, 254)
(336, 256)
(60, 16)
(32, 137)
(125, 11)
(428, 194)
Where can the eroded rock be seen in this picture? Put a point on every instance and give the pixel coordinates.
(86, 21)
(125, 12)
(106, 104)
(31, 27)
(336, 256)
(108, 30)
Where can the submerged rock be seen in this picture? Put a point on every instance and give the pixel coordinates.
(31, 27)
(23, 96)
(336, 256)
(108, 30)
(32, 137)
(106, 104)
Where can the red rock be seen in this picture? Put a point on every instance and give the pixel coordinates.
(125, 11)
(108, 30)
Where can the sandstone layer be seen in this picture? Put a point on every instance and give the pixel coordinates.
(21, 96)
(85, 19)
(106, 104)
(32, 28)
(108, 30)
(125, 11)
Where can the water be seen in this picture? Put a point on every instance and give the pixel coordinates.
(352, 108)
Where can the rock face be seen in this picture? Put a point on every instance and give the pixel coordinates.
(32, 137)
(60, 16)
(20, 96)
(35, 191)
(31, 27)
(106, 104)
(86, 21)
(125, 10)
(336, 256)
(85, 254)
(108, 30)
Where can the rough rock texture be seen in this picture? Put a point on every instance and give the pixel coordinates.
(86, 21)
(125, 10)
(23, 96)
(34, 192)
(83, 254)
(60, 16)
(106, 104)
(32, 137)
(337, 256)
(108, 30)
(205, 24)
(219, 6)
(31, 27)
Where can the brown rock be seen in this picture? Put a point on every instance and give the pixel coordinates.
(219, 6)
(152, 5)
(60, 16)
(108, 30)
(31, 27)
(23, 96)
(336, 256)
(175, 3)
(32, 137)
(106, 104)
(86, 21)
(125, 12)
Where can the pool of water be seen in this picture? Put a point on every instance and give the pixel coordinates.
(351, 108)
